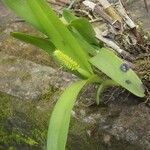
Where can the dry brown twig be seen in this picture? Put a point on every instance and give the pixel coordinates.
(122, 12)
(99, 34)
(112, 45)
(100, 11)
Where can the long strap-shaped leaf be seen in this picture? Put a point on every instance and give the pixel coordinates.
(37, 41)
(59, 122)
(58, 33)
(22, 9)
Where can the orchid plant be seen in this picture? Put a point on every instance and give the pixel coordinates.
(72, 43)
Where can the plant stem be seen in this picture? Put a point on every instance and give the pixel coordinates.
(106, 84)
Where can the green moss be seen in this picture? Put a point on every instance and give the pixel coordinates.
(22, 123)
(11, 148)
(48, 93)
(15, 138)
(5, 107)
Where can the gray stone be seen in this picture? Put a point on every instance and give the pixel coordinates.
(120, 125)
(138, 12)
(9, 22)
(27, 80)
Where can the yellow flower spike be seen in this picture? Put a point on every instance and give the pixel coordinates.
(66, 60)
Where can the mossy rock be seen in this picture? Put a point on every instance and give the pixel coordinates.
(23, 123)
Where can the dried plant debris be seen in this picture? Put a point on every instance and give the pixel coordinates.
(128, 40)
(142, 65)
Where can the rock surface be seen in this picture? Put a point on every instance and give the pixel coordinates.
(25, 79)
(139, 12)
(121, 124)
(9, 45)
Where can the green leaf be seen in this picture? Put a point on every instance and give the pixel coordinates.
(21, 8)
(113, 67)
(37, 41)
(82, 25)
(60, 118)
(68, 15)
(59, 122)
(58, 33)
(84, 44)
(85, 29)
